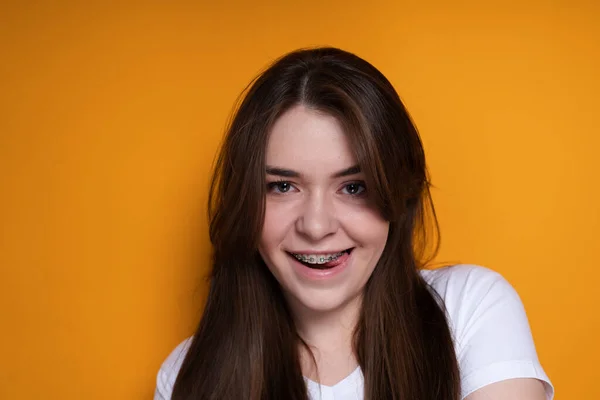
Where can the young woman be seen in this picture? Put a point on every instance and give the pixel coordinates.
(318, 209)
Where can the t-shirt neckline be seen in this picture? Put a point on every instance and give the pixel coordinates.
(343, 382)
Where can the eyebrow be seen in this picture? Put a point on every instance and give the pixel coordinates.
(288, 173)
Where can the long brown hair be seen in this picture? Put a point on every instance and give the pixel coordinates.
(246, 345)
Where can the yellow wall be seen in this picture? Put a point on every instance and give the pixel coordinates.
(110, 116)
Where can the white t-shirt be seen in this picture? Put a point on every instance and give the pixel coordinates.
(492, 338)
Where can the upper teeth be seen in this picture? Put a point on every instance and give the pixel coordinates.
(317, 258)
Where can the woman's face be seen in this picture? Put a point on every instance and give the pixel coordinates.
(321, 237)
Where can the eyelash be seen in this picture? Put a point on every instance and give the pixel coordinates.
(273, 185)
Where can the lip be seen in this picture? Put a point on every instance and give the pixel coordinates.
(312, 274)
(319, 251)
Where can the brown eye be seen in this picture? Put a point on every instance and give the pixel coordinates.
(355, 188)
(279, 186)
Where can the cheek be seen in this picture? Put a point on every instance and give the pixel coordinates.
(276, 226)
(368, 228)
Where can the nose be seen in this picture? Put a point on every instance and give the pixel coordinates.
(317, 219)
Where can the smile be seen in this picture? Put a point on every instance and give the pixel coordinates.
(321, 258)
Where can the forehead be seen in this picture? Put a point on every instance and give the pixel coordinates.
(310, 141)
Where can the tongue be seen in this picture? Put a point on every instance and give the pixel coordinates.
(330, 264)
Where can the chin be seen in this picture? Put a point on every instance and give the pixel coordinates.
(322, 300)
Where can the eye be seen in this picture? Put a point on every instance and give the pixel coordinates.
(279, 186)
(355, 188)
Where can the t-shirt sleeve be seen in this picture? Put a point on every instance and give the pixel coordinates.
(167, 374)
(493, 339)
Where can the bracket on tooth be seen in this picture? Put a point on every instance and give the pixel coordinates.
(313, 259)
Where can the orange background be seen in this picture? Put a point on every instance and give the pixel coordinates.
(110, 116)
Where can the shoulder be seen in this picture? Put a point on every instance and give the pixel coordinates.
(492, 337)
(447, 281)
(469, 293)
(462, 287)
(169, 369)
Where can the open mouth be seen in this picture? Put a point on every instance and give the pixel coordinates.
(321, 261)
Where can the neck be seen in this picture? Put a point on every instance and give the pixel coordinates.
(329, 336)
